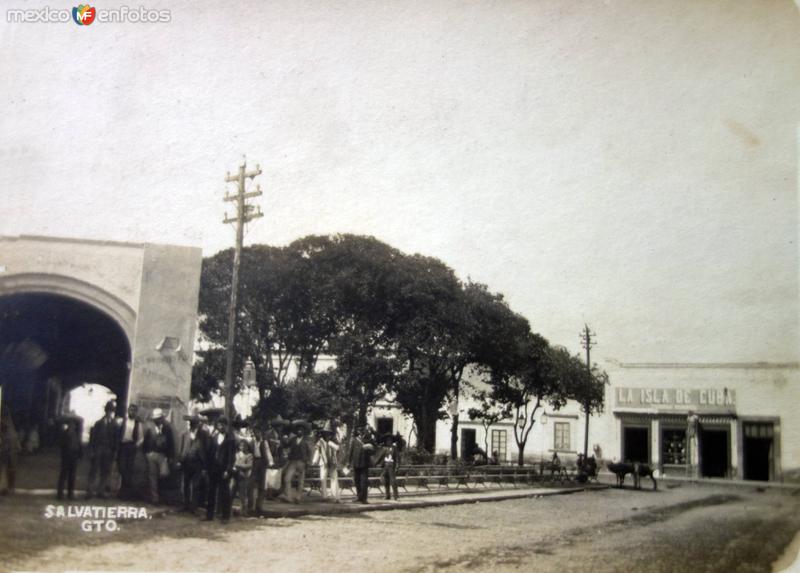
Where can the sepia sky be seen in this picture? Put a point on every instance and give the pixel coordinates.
(628, 164)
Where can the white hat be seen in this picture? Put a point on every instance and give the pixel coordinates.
(157, 413)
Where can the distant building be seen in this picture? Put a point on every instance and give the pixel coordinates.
(747, 413)
(748, 426)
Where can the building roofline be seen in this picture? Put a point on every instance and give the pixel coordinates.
(104, 242)
(706, 365)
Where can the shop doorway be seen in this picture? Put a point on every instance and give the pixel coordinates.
(636, 444)
(714, 448)
(758, 451)
(467, 444)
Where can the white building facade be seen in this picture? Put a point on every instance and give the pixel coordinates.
(748, 427)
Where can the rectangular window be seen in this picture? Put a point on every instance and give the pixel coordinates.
(673, 447)
(758, 431)
(499, 444)
(384, 426)
(561, 441)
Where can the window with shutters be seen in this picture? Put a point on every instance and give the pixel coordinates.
(561, 441)
(500, 443)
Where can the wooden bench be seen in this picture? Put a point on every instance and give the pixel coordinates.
(423, 477)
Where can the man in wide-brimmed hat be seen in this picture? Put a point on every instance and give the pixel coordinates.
(221, 458)
(359, 459)
(388, 458)
(103, 444)
(261, 461)
(275, 453)
(192, 461)
(326, 454)
(159, 449)
(299, 456)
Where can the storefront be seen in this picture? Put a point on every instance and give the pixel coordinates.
(710, 421)
(656, 427)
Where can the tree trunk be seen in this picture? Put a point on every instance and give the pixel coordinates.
(454, 427)
(362, 414)
(454, 439)
(521, 456)
(426, 429)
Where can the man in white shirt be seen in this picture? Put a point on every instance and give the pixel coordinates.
(131, 441)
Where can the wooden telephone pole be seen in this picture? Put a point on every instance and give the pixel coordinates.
(587, 343)
(244, 214)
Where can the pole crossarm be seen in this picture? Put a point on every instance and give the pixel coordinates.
(242, 173)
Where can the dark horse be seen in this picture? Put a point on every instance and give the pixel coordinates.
(637, 469)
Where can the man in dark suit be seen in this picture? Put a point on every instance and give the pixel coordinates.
(389, 459)
(192, 461)
(221, 457)
(359, 459)
(103, 444)
(131, 439)
(69, 441)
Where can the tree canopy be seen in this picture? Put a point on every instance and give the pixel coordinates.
(396, 324)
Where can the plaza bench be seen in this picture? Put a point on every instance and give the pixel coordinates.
(424, 477)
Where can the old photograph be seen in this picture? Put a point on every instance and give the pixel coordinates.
(400, 286)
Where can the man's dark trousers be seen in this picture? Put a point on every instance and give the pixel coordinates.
(219, 492)
(69, 465)
(360, 478)
(100, 472)
(192, 474)
(126, 462)
(390, 480)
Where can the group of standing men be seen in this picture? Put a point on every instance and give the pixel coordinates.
(215, 462)
(119, 440)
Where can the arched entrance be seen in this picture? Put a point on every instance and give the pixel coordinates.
(76, 312)
(49, 345)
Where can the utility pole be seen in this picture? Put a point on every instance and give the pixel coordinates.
(244, 214)
(587, 342)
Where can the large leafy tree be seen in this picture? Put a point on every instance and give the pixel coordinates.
(361, 292)
(432, 328)
(282, 323)
(490, 332)
(394, 323)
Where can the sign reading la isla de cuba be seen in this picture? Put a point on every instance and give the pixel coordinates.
(676, 399)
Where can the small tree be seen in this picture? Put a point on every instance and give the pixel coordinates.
(585, 386)
(523, 382)
(489, 413)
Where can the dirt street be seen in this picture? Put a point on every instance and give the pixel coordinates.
(689, 528)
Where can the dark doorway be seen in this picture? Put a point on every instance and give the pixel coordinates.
(758, 451)
(384, 426)
(714, 453)
(636, 442)
(467, 443)
(50, 345)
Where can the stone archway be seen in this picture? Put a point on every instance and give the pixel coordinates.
(149, 291)
(51, 343)
(42, 283)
